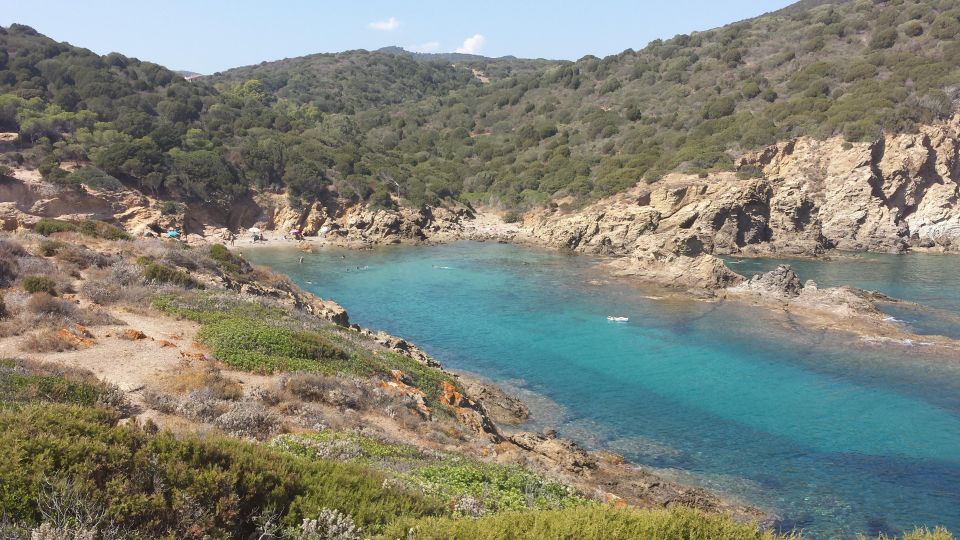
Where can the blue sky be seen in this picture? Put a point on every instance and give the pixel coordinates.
(212, 35)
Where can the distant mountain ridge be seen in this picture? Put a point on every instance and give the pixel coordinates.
(508, 132)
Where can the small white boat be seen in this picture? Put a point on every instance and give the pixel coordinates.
(618, 319)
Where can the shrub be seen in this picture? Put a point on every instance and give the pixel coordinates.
(512, 216)
(171, 208)
(48, 247)
(83, 257)
(227, 260)
(913, 28)
(267, 347)
(46, 227)
(883, 38)
(593, 522)
(23, 382)
(40, 284)
(161, 273)
(94, 178)
(249, 419)
(212, 486)
(101, 229)
(718, 108)
(3, 308)
(47, 341)
(9, 268)
(126, 274)
(329, 525)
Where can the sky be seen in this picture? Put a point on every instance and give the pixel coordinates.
(207, 36)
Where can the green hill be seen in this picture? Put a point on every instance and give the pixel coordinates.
(508, 132)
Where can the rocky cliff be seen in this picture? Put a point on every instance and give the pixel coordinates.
(804, 197)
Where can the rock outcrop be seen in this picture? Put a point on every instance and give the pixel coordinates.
(781, 282)
(807, 196)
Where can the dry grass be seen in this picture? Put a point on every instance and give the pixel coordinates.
(202, 376)
(47, 341)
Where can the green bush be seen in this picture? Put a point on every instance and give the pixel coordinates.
(594, 522)
(267, 347)
(161, 273)
(101, 229)
(171, 208)
(883, 38)
(94, 178)
(21, 386)
(37, 284)
(177, 487)
(496, 488)
(46, 227)
(227, 260)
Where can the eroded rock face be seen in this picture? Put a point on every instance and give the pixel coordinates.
(812, 196)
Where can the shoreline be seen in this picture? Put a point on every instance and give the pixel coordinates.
(844, 314)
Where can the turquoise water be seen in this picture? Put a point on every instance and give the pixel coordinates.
(926, 279)
(834, 437)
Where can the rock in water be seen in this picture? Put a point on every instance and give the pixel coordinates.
(782, 281)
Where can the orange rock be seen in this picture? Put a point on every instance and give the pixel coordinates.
(132, 335)
(78, 336)
(164, 343)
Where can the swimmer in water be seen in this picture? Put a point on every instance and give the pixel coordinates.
(301, 260)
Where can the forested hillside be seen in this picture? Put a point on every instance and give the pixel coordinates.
(504, 132)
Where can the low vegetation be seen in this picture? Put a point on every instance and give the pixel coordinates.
(256, 337)
(589, 522)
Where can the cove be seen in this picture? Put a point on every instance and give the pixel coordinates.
(835, 437)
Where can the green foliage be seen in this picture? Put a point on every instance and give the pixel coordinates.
(101, 229)
(592, 522)
(37, 284)
(260, 346)
(153, 484)
(171, 208)
(161, 273)
(313, 445)
(3, 308)
(20, 386)
(46, 226)
(250, 336)
(95, 179)
(227, 260)
(497, 488)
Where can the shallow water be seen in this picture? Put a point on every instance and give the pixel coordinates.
(835, 437)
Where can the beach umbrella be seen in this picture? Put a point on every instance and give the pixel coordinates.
(172, 234)
(294, 231)
(324, 229)
(253, 230)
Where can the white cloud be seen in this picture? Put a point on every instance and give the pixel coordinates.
(428, 47)
(473, 44)
(390, 24)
